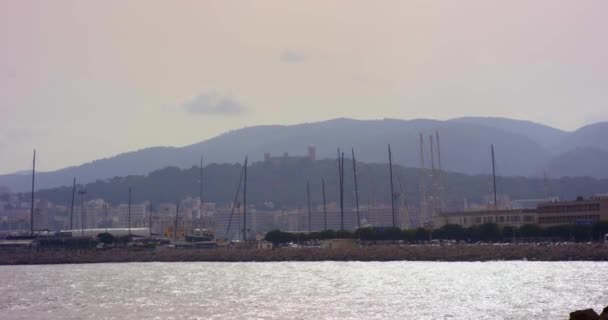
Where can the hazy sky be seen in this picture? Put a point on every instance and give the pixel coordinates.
(81, 80)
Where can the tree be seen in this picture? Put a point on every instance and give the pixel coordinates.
(278, 237)
(409, 235)
(450, 232)
(328, 234)
(582, 233)
(600, 229)
(509, 233)
(422, 234)
(487, 232)
(106, 238)
(530, 231)
(393, 233)
(344, 234)
(564, 232)
(366, 234)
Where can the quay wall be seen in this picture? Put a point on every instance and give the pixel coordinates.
(565, 252)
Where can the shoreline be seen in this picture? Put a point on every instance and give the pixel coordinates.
(447, 253)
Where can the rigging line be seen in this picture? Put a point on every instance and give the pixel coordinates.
(236, 197)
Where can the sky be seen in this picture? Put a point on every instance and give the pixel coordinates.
(83, 80)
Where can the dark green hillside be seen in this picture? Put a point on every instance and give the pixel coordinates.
(285, 185)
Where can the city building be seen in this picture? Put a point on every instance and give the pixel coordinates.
(510, 217)
(310, 156)
(139, 214)
(578, 212)
(530, 203)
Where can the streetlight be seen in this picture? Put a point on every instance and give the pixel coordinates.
(150, 223)
(107, 221)
(82, 193)
(161, 225)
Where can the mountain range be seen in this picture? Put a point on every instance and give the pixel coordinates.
(522, 148)
(284, 184)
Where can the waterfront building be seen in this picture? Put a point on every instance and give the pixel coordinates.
(530, 203)
(578, 212)
(510, 217)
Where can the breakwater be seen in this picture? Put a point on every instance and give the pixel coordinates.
(564, 252)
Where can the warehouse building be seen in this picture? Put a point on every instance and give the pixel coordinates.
(578, 212)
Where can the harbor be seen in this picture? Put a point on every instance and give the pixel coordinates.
(397, 252)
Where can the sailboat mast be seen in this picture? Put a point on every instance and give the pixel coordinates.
(433, 182)
(403, 205)
(308, 200)
(236, 198)
(422, 216)
(82, 193)
(494, 178)
(201, 195)
(372, 199)
(32, 203)
(129, 209)
(340, 188)
(72, 206)
(356, 188)
(150, 217)
(342, 191)
(176, 217)
(441, 174)
(390, 166)
(324, 206)
(439, 165)
(105, 211)
(245, 202)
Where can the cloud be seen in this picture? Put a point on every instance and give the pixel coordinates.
(214, 103)
(291, 56)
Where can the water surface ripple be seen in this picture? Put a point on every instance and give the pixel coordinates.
(303, 290)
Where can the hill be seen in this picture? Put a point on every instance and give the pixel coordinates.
(589, 161)
(591, 136)
(522, 147)
(539, 133)
(284, 184)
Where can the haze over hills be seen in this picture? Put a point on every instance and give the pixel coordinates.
(522, 147)
(284, 184)
(594, 136)
(542, 134)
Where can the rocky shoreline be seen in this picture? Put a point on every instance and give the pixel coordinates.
(488, 252)
(589, 314)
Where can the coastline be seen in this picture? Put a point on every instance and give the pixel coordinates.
(448, 253)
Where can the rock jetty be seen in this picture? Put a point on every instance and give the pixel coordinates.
(569, 252)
